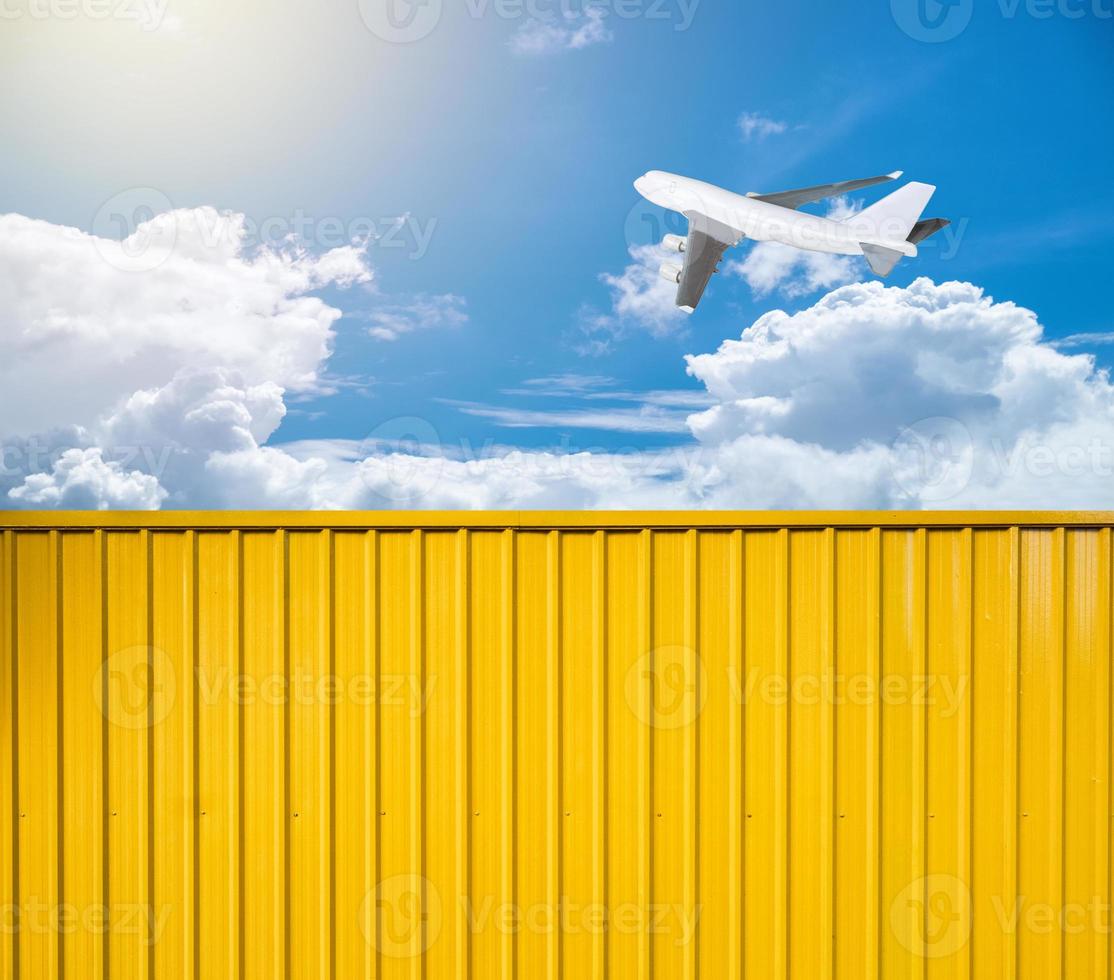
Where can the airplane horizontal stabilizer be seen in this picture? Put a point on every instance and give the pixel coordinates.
(926, 229)
(881, 259)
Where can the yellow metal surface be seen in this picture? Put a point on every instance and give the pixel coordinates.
(863, 746)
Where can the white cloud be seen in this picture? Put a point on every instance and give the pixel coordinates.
(646, 418)
(563, 385)
(931, 395)
(756, 127)
(771, 266)
(79, 321)
(421, 312)
(1095, 339)
(82, 480)
(955, 395)
(570, 31)
(640, 298)
(125, 365)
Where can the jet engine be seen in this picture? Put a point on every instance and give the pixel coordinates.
(672, 273)
(673, 243)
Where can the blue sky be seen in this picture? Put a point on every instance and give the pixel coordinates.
(513, 170)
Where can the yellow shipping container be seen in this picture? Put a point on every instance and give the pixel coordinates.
(556, 746)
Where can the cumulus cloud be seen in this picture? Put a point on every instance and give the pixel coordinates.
(771, 266)
(954, 394)
(182, 291)
(177, 342)
(641, 299)
(756, 127)
(423, 312)
(571, 30)
(82, 480)
(874, 396)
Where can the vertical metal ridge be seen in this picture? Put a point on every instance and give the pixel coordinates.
(646, 754)
(241, 796)
(783, 830)
(1109, 552)
(920, 736)
(191, 966)
(417, 741)
(874, 760)
(372, 743)
(463, 752)
(60, 745)
(1013, 761)
(149, 629)
(692, 753)
(599, 744)
(331, 763)
(287, 868)
(509, 745)
(10, 646)
(736, 845)
(828, 737)
(106, 797)
(553, 740)
(966, 817)
(1060, 534)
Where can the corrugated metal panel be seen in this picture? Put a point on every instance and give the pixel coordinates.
(672, 746)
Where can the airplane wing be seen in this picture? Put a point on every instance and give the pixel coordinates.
(704, 248)
(807, 195)
(702, 257)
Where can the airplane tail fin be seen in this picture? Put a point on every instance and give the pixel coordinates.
(893, 218)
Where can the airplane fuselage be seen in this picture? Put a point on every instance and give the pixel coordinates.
(759, 221)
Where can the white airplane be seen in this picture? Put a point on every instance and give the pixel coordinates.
(719, 219)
